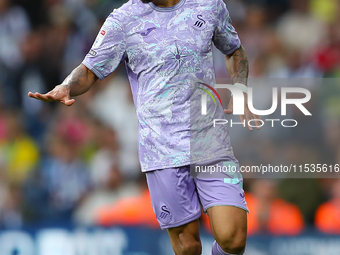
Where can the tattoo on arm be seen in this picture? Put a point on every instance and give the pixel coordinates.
(74, 78)
(80, 80)
(238, 66)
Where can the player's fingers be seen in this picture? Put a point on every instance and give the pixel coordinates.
(242, 120)
(55, 97)
(258, 121)
(42, 97)
(30, 94)
(69, 102)
(50, 96)
(248, 118)
(230, 109)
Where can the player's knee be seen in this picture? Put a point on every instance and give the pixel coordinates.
(234, 244)
(192, 248)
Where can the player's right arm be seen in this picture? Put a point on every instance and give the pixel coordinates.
(78, 82)
(104, 57)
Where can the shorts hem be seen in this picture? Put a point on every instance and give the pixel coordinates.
(182, 222)
(226, 204)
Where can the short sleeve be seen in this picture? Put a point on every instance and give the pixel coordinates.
(225, 36)
(108, 49)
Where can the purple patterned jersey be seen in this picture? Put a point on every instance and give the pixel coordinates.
(165, 50)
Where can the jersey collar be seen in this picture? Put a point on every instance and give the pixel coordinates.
(167, 9)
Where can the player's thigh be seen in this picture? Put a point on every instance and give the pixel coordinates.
(176, 205)
(185, 239)
(222, 197)
(229, 227)
(174, 197)
(221, 189)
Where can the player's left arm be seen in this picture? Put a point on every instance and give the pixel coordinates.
(238, 68)
(227, 41)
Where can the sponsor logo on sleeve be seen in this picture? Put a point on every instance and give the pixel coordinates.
(93, 53)
(100, 38)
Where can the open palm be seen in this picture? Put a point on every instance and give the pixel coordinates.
(60, 93)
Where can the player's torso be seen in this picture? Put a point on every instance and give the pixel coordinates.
(167, 42)
(165, 50)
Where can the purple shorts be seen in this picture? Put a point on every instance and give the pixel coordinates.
(177, 196)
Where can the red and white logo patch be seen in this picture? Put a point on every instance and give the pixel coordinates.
(99, 39)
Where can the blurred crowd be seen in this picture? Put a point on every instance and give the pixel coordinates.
(80, 164)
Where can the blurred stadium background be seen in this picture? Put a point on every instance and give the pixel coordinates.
(70, 181)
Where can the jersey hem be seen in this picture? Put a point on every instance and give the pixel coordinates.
(186, 163)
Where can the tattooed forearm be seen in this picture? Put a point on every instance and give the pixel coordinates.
(80, 80)
(238, 66)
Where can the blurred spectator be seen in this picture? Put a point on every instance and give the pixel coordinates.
(325, 10)
(34, 75)
(3, 125)
(299, 30)
(14, 27)
(306, 193)
(328, 56)
(113, 105)
(106, 178)
(237, 11)
(327, 218)
(253, 34)
(69, 36)
(274, 52)
(270, 58)
(10, 204)
(108, 193)
(269, 214)
(275, 9)
(130, 211)
(102, 8)
(297, 65)
(106, 156)
(82, 27)
(10, 211)
(35, 10)
(19, 152)
(57, 36)
(64, 173)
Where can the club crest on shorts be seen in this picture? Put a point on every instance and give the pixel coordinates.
(165, 215)
(200, 23)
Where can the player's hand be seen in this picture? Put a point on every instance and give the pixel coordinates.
(248, 115)
(60, 93)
